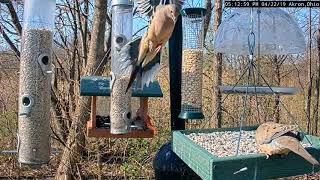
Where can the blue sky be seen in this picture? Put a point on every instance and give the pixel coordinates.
(139, 22)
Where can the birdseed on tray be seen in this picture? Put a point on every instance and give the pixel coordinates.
(224, 143)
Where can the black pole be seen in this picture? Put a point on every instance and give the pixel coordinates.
(167, 165)
(175, 65)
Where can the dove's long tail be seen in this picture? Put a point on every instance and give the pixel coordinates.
(294, 145)
(135, 70)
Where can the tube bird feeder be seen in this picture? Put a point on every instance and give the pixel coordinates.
(119, 121)
(120, 111)
(193, 40)
(35, 77)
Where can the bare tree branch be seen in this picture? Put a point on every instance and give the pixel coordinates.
(207, 17)
(8, 40)
(14, 16)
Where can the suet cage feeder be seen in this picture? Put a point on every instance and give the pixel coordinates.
(192, 63)
(35, 76)
(121, 121)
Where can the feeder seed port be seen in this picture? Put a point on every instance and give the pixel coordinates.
(26, 101)
(26, 104)
(44, 62)
(127, 116)
(120, 41)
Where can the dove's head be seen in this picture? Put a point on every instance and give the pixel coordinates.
(174, 11)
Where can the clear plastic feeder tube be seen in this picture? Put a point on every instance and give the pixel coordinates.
(35, 77)
(39, 14)
(193, 40)
(120, 110)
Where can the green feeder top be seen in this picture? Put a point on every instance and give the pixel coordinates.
(100, 86)
(193, 11)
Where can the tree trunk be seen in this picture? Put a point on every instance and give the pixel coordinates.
(207, 17)
(310, 77)
(216, 104)
(72, 153)
(317, 93)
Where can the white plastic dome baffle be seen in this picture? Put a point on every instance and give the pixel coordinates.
(278, 34)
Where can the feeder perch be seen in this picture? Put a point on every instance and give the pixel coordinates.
(35, 76)
(99, 126)
(192, 65)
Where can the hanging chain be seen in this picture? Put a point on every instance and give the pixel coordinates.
(251, 46)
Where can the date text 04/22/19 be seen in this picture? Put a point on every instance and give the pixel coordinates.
(229, 3)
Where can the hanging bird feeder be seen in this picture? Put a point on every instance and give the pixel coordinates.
(99, 125)
(192, 63)
(273, 32)
(120, 111)
(35, 77)
(121, 121)
(276, 33)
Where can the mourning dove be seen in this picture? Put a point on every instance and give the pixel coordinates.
(158, 33)
(274, 138)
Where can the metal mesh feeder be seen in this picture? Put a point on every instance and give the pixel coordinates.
(35, 77)
(191, 87)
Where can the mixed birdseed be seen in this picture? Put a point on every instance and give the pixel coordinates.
(192, 78)
(34, 127)
(120, 109)
(225, 143)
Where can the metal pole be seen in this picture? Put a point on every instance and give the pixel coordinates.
(167, 165)
(175, 65)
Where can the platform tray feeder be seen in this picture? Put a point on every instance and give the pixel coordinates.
(251, 166)
(100, 86)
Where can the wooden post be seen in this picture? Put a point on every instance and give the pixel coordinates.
(143, 111)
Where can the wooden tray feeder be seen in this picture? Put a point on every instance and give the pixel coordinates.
(99, 86)
(242, 167)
